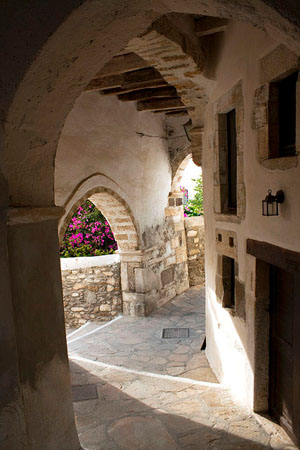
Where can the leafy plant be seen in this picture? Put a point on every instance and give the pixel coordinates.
(88, 234)
(194, 207)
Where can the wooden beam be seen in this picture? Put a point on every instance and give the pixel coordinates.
(135, 79)
(97, 84)
(205, 26)
(121, 64)
(117, 91)
(272, 254)
(142, 76)
(146, 94)
(178, 112)
(159, 104)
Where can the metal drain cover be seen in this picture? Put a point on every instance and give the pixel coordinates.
(84, 392)
(176, 333)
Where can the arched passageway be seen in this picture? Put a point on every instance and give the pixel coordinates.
(48, 66)
(115, 210)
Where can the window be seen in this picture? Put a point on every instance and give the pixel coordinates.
(228, 162)
(228, 272)
(231, 161)
(282, 117)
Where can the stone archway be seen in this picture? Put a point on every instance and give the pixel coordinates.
(123, 225)
(116, 211)
(51, 57)
(71, 63)
(180, 167)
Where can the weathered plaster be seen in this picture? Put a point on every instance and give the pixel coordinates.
(229, 334)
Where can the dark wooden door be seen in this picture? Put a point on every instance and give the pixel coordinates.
(285, 350)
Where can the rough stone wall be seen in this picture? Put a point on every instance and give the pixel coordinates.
(91, 293)
(194, 228)
(153, 276)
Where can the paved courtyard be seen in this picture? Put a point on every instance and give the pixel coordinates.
(134, 390)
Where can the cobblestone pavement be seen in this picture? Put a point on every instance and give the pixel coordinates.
(134, 390)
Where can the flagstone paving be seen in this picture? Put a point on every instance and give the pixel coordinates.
(140, 408)
(137, 343)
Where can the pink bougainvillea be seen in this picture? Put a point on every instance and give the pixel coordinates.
(88, 234)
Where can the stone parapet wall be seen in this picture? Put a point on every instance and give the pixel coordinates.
(91, 289)
(194, 228)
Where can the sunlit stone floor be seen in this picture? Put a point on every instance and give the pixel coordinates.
(148, 393)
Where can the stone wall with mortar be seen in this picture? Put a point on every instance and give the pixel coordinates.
(194, 229)
(152, 276)
(91, 289)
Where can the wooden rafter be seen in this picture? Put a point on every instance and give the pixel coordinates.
(129, 80)
(160, 104)
(146, 94)
(178, 112)
(121, 64)
(152, 84)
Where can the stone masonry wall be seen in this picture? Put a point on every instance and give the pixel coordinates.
(90, 293)
(194, 227)
(154, 275)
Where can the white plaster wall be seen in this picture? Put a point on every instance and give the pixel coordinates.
(230, 342)
(100, 137)
(84, 262)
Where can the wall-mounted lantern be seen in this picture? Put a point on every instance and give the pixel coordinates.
(187, 128)
(270, 203)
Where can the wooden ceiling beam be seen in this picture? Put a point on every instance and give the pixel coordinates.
(205, 26)
(97, 84)
(135, 79)
(121, 64)
(176, 111)
(159, 104)
(146, 94)
(179, 112)
(117, 91)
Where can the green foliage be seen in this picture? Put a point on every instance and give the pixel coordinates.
(194, 207)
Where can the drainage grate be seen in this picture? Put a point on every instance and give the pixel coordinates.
(84, 392)
(175, 333)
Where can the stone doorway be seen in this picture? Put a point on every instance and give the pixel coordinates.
(276, 336)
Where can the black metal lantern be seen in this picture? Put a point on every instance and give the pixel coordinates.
(270, 203)
(187, 128)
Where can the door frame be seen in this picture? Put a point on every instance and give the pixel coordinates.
(266, 255)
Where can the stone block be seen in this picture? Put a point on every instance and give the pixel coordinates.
(90, 297)
(105, 308)
(192, 233)
(181, 255)
(110, 288)
(145, 280)
(133, 304)
(175, 242)
(78, 286)
(183, 286)
(167, 276)
(193, 251)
